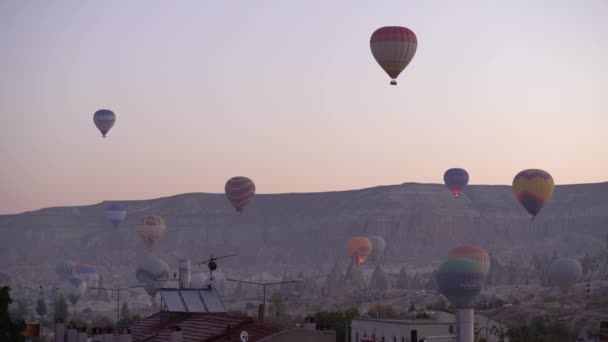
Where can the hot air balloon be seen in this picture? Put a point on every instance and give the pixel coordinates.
(460, 280)
(73, 289)
(240, 191)
(533, 189)
(116, 213)
(474, 253)
(104, 120)
(86, 272)
(151, 228)
(456, 180)
(378, 245)
(64, 269)
(362, 246)
(393, 48)
(152, 272)
(565, 273)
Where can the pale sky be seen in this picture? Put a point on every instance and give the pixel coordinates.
(288, 94)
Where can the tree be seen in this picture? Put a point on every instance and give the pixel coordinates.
(124, 312)
(41, 307)
(379, 310)
(9, 330)
(61, 307)
(277, 310)
(21, 310)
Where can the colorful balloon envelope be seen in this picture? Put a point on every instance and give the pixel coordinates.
(73, 289)
(104, 120)
(456, 180)
(393, 48)
(565, 273)
(361, 246)
(151, 228)
(116, 213)
(473, 253)
(533, 188)
(240, 191)
(460, 281)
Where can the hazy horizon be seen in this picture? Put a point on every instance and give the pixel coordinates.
(290, 96)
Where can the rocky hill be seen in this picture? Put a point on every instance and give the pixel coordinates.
(308, 232)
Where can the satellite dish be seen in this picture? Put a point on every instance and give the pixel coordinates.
(244, 336)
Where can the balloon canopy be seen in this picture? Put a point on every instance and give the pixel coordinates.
(240, 191)
(378, 245)
(86, 272)
(152, 272)
(104, 120)
(533, 188)
(151, 228)
(473, 253)
(361, 246)
(456, 180)
(393, 47)
(116, 213)
(565, 273)
(460, 281)
(73, 289)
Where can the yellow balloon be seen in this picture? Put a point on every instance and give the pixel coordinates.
(533, 188)
(151, 228)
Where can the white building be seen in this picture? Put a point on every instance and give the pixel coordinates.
(385, 330)
(441, 327)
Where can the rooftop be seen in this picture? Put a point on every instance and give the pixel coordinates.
(197, 327)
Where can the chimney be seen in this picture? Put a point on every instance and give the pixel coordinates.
(184, 273)
(125, 336)
(261, 312)
(59, 330)
(176, 334)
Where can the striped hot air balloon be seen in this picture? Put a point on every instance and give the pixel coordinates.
(393, 48)
(474, 253)
(533, 188)
(362, 246)
(240, 191)
(151, 228)
(456, 180)
(460, 281)
(104, 120)
(116, 213)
